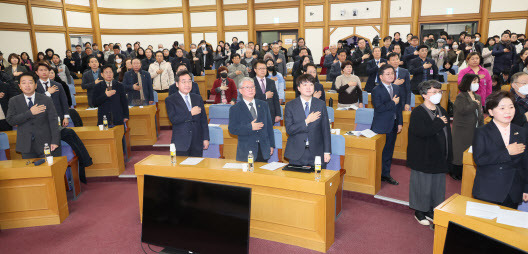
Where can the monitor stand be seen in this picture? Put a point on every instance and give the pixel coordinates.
(175, 251)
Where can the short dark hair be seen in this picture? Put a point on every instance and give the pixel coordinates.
(516, 76)
(235, 55)
(29, 74)
(305, 77)
(426, 85)
(305, 67)
(161, 52)
(181, 73)
(13, 55)
(106, 66)
(470, 55)
(397, 33)
(478, 34)
(341, 51)
(116, 47)
(384, 67)
(493, 100)
(180, 49)
(92, 57)
(465, 83)
(260, 61)
(180, 64)
(387, 38)
(345, 64)
(39, 64)
(95, 44)
(391, 55)
(79, 46)
(104, 45)
(415, 37)
(410, 34)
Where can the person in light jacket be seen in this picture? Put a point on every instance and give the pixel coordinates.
(161, 74)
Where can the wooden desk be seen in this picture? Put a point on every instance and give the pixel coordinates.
(142, 124)
(32, 195)
(81, 101)
(231, 141)
(287, 207)
(363, 163)
(452, 83)
(105, 148)
(468, 174)
(400, 148)
(164, 117)
(454, 209)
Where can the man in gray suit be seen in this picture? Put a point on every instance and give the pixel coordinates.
(36, 120)
(280, 60)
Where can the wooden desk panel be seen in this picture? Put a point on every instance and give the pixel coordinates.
(468, 174)
(164, 117)
(400, 148)
(287, 207)
(363, 163)
(81, 101)
(454, 209)
(344, 120)
(32, 195)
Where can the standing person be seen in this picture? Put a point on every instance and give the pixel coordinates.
(504, 53)
(326, 51)
(173, 88)
(499, 153)
(194, 59)
(110, 98)
(161, 74)
(266, 90)
(237, 71)
(251, 121)
(318, 87)
(411, 51)
(55, 91)
(373, 67)
(148, 60)
(335, 69)
(90, 78)
(485, 86)
(36, 120)
(486, 54)
(179, 59)
(280, 60)
(219, 57)
(360, 58)
(280, 83)
(439, 53)
(224, 88)
(190, 132)
(467, 116)
(330, 58)
(348, 87)
(15, 69)
(422, 68)
(429, 153)
(138, 85)
(64, 74)
(402, 79)
(388, 118)
(7, 91)
(70, 63)
(26, 61)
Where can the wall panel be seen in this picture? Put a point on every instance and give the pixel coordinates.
(201, 19)
(270, 16)
(314, 41)
(235, 18)
(267, 1)
(512, 5)
(400, 8)
(496, 27)
(79, 2)
(138, 4)
(79, 19)
(197, 37)
(362, 10)
(152, 39)
(212, 39)
(18, 42)
(13, 13)
(241, 35)
(47, 17)
(403, 29)
(55, 41)
(173, 20)
(435, 7)
(235, 1)
(313, 13)
(201, 2)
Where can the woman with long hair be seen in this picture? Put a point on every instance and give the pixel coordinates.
(26, 61)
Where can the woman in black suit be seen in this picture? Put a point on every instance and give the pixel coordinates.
(499, 153)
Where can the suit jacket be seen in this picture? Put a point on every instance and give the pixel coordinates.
(177, 60)
(240, 124)
(183, 123)
(131, 78)
(405, 88)
(114, 107)
(334, 72)
(385, 110)
(416, 69)
(44, 127)
(360, 65)
(111, 59)
(10, 91)
(498, 172)
(280, 67)
(78, 60)
(328, 61)
(60, 101)
(372, 72)
(317, 133)
(273, 102)
(88, 83)
(408, 55)
(195, 89)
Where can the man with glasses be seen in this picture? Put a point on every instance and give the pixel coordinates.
(266, 90)
(250, 120)
(387, 116)
(519, 89)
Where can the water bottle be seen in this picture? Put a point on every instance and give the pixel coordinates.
(173, 153)
(105, 122)
(330, 102)
(250, 161)
(317, 168)
(47, 150)
(58, 117)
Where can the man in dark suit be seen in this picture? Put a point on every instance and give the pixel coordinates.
(173, 88)
(306, 122)
(7, 91)
(53, 90)
(335, 70)
(77, 56)
(138, 84)
(266, 90)
(190, 130)
(180, 59)
(411, 51)
(90, 78)
(250, 120)
(422, 68)
(403, 79)
(36, 120)
(387, 117)
(360, 57)
(372, 69)
(109, 97)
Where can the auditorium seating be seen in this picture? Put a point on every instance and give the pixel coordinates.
(219, 113)
(364, 117)
(216, 143)
(4, 147)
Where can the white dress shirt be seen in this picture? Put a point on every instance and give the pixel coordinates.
(254, 105)
(48, 94)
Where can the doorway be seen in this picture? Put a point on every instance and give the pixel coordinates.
(286, 36)
(80, 39)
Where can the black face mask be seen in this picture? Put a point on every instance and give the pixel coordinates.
(223, 74)
(271, 68)
(129, 49)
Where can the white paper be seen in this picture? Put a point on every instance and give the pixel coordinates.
(482, 210)
(234, 165)
(368, 133)
(91, 109)
(214, 125)
(191, 161)
(353, 107)
(513, 218)
(470, 149)
(273, 166)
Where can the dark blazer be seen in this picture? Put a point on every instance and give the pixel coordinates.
(498, 172)
(60, 101)
(145, 63)
(502, 60)
(111, 59)
(360, 65)
(328, 61)
(78, 60)
(465, 120)
(20, 68)
(273, 103)
(183, 123)
(319, 87)
(43, 127)
(114, 107)
(196, 65)
(416, 69)
(408, 55)
(177, 60)
(427, 151)
(195, 89)
(318, 132)
(88, 83)
(406, 86)
(131, 78)
(240, 124)
(334, 72)
(385, 110)
(9, 91)
(372, 72)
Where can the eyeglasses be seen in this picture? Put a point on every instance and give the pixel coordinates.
(261, 69)
(248, 87)
(185, 81)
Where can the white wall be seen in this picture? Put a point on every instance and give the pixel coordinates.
(141, 21)
(212, 39)
(287, 15)
(343, 32)
(314, 41)
(138, 4)
(13, 13)
(435, 7)
(79, 19)
(196, 38)
(400, 8)
(18, 42)
(403, 29)
(55, 41)
(152, 39)
(234, 2)
(496, 27)
(317, 11)
(267, 1)
(47, 17)
(512, 5)
(235, 18)
(374, 10)
(241, 35)
(79, 2)
(201, 2)
(201, 19)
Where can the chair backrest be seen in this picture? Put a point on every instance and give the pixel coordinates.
(278, 138)
(365, 98)
(219, 113)
(338, 144)
(216, 135)
(67, 151)
(455, 67)
(155, 96)
(364, 117)
(70, 123)
(330, 113)
(413, 100)
(4, 145)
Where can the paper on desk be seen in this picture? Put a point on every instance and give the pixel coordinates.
(470, 149)
(214, 125)
(234, 165)
(91, 109)
(482, 210)
(513, 218)
(191, 161)
(273, 166)
(366, 133)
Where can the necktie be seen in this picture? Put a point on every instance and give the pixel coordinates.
(140, 83)
(252, 110)
(377, 64)
(391, 92)
(30, 103)
(306, 113)
(263, 86)
(188, 102)
(45, 86)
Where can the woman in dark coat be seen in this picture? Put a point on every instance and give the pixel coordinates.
(467, 116)
(429, 152)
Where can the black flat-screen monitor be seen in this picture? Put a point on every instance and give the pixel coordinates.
(463, 240)
(200, 217)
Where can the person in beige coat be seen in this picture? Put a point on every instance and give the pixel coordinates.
(161, 74)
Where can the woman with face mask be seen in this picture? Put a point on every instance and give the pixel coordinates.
(467, 117)
(429, 152)
(280, 83)
(486, 85)
(455, 55)
(224, 89)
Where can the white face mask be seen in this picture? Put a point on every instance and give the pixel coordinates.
(477, 39)
(295, 44)
(193, 50)
(474, 87)
(455, 46)
(523, 90)
(119, 60)
(435, 99)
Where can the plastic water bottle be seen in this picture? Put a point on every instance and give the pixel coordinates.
(250, 161)
(173, 153)
(317, 168)
(47, 150)
(58, 117)
(105, 122)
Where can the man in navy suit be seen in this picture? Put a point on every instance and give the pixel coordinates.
(306, 122)
(190, 130)
(173, 88)
(266, 90)
(53, 90)
(411, 51)
(403, 79)
(110, 98)
(138, 84)
(422, 68)
(387, 117)
(90, 78)
(335, 70)
(372, 69)
(250, 120)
